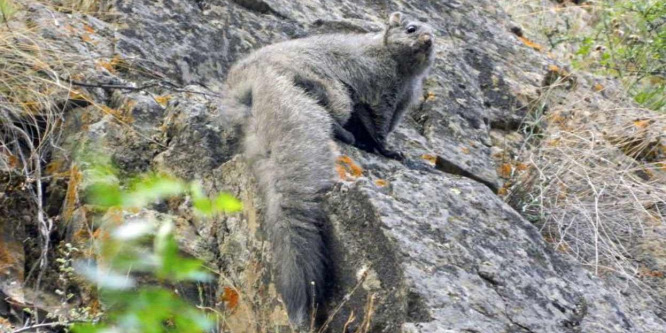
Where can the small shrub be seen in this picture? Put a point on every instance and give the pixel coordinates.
(147, 247)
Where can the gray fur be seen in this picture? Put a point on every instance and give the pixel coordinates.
(291, 95)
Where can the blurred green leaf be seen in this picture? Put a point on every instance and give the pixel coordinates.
(104, 194)
(227, 203)
(200, 202)
(152, 188)
(90, 328)
(585, 47)
(7, 9)
(104, 278)
(144, 309)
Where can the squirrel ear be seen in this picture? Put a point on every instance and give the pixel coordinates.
(395, 19)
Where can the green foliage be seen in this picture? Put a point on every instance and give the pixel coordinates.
(149, 310)
(145, 246)
(104, 191)
(629, 42)
(7, 9)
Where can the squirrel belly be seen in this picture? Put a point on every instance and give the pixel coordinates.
(292, 98)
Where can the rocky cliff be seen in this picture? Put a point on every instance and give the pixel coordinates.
(412, 251)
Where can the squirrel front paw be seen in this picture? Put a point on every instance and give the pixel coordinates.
(392, 154)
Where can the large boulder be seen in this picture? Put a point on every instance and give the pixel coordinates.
(412, 250)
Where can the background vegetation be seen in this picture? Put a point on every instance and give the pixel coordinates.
(595, 161)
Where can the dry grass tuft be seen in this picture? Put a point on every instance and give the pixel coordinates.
(595, 178)
(32, 101)
(595, 174)
(92, 7)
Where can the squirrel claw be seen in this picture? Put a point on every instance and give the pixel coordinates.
(392, 154)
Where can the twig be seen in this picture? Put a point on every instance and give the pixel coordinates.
(114, 86)
(45, 225)
(37, 326)
(161, 84)
(344, 301)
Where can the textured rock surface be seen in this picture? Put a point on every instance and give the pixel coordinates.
(440, 251)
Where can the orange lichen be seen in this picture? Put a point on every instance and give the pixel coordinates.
(504, 170)
(80, 236)
(78, 96)
(465, 150)
(95, 307)
(646, 272)
(111, 65)
(432, 159)
(163, 100)
(101, 235)
(342, 173)
(230, 298)
(522, 166)
(71, 198)
(53, 168)
(119, 114)
(12, 160)
(6, 259)
(530, 43)
(642, 123)
(347, 168)
(114, 216)
(88, 29)
(381, 182)
(69, 28)
(598, 87)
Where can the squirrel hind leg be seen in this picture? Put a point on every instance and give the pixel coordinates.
(330, 94)
(313, 87)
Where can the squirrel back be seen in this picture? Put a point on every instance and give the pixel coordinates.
(293, 97)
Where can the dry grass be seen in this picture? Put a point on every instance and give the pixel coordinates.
(595, 173)
(32, 99)
(595, 176)
(91, 7)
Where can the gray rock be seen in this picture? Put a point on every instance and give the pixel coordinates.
(426, 251)
(440, 252)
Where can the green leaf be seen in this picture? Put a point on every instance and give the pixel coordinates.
(151, 189)
(227, 203)
(203, 206)
(88, 328)
(585, 47)
(104, 278)
(200, 202)
(104, 194)
(7, 10)
(173, 266)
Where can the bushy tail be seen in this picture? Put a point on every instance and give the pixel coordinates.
(288, 146)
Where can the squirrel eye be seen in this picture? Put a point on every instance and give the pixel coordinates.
(411, 28)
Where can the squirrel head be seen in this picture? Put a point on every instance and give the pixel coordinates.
(411, 41)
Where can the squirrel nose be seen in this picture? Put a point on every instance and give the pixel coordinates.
(426, 39)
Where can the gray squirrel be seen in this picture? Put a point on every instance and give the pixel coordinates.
(292, 98)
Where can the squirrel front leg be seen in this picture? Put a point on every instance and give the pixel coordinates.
(370, 131)
(342, 134)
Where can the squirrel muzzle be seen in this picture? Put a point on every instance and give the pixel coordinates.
(425, 41)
